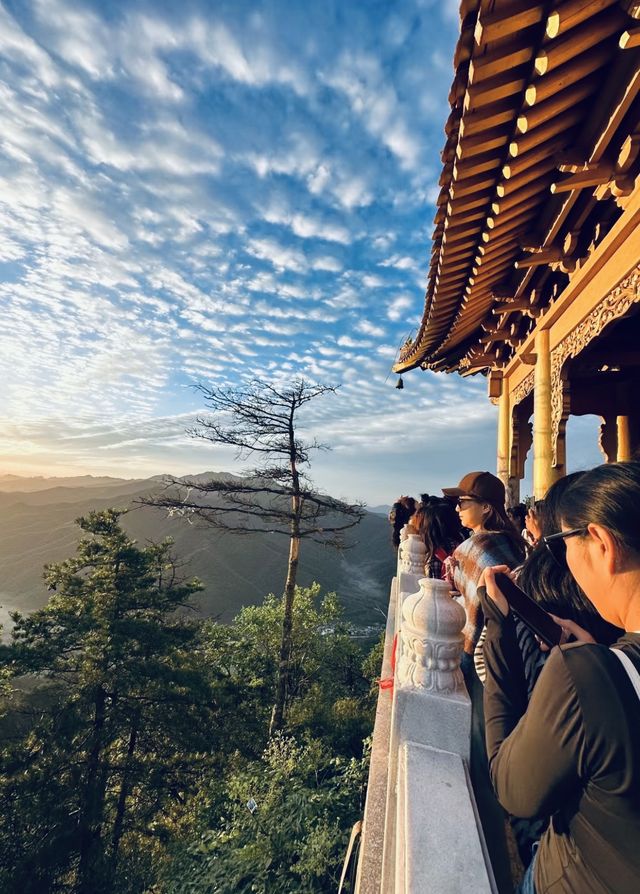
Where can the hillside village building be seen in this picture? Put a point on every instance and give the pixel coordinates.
(534, 281)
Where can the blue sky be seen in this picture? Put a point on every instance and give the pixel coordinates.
(213, 192)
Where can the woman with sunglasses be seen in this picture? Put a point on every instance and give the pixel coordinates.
(546, 578)
(493, 541)
(574, 751)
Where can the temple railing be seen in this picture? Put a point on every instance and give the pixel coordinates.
(421, 830)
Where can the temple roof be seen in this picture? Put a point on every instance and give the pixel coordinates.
(542, 145)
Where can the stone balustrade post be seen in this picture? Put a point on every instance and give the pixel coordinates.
(431, 640)
(414, 554)
(404, 533)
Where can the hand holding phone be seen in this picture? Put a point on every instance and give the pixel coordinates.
(536, 618)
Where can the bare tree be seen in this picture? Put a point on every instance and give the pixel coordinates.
(275, 497)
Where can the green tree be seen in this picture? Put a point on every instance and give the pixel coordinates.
(88, 794)
(328, 691)
(307, 780)
(306, 801)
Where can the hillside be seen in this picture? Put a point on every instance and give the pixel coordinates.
(37, 526)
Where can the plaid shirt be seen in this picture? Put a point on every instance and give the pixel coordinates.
(480, 551)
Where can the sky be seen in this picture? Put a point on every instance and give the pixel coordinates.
(217, 192)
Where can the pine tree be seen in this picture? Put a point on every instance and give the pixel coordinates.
(126, 726)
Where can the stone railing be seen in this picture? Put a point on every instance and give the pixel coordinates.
(421, 831)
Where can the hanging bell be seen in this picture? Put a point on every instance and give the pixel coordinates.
(400, 384)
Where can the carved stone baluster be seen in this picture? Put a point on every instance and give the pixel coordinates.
(431, 640)
(414, 553)
(404, 533)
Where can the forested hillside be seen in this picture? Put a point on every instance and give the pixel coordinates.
(37, 527)
(134, 738)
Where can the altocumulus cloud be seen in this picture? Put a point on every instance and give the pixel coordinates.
(213, 192)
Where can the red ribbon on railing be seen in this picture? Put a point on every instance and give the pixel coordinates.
(387, 682)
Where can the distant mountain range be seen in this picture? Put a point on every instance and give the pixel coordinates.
(37, 527)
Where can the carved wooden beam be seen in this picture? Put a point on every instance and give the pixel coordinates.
(592, 175)
(498, 61)
(520, 306)
(546, 152)
(500, 206)
(507, 83)
(539, 135)
(494, 26)
(481, 143)
(495, 335)
(556, 105)
(573, 13)
(544, 256)
(547, 86)
(536, 173)
(628, 152)
(493, 115)
(630, 39)
(577, 41)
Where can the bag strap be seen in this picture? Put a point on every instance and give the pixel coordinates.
(630, 668)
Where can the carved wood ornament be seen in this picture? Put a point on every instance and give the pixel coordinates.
(612, 307)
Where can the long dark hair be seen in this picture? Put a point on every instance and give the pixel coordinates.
(401, 512)
(497, 521)
(551, 584)
(438, 524)
(608, 495)
(517, 514)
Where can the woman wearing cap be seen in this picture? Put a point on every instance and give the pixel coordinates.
(493, 541)
(574, 750)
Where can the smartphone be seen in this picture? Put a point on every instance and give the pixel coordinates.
(535, 617)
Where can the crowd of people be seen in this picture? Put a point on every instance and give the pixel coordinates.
(561, 726)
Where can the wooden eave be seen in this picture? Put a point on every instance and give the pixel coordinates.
(511, 134)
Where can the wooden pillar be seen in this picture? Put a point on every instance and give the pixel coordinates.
(542, 453)
(623, 453)
(504, 436)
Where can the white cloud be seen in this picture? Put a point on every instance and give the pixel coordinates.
(370, 329)
(396, 309)
(328, 263)
(372, 281)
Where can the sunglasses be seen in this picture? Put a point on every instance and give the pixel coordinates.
(556, 545)
(460, 502)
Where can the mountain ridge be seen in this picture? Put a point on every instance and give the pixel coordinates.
(37, 527)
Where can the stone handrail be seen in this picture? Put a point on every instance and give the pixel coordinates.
(420, 808)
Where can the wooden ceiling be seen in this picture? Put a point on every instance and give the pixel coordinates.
(543, 140)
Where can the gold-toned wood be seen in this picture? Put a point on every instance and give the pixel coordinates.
(539, 135)
(500, 206)
(630, 39)
(624, 439)
(486, 117)
(504, 440)
(628, 152)
(538, 173)
(542, 448)
(571, 72)
(496, 25)
(481, 143)
(577, 41)
(546, 152)
(546, 256)
(593, 175)
(507, 84)
(502, 59)
(555, 105)
(573, 13)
